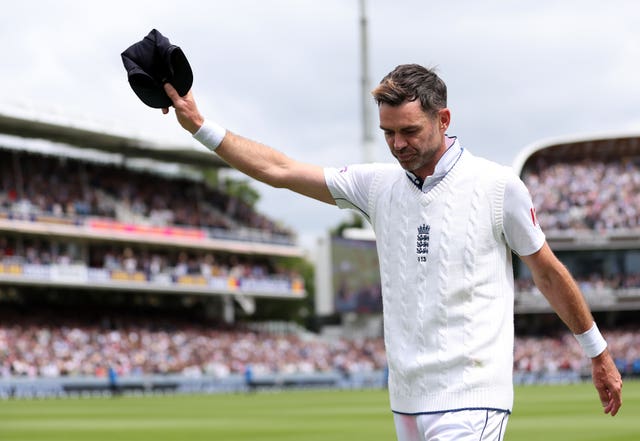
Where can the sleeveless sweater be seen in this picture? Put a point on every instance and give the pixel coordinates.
(447, 284)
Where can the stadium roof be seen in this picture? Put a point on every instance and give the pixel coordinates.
(84, 137)
(568, 148)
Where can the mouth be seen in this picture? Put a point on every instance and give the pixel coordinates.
(404, 156)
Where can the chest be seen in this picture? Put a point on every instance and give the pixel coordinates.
(415, 229)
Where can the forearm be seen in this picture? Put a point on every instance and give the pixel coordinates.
(251, 158)
(564, 296)
(254, 159)
(264, 163)
(562, 292)
(274, 168)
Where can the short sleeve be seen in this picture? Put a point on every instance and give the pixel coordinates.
(350, 186)
(522, 231)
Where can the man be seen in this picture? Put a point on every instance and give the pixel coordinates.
(446, 223)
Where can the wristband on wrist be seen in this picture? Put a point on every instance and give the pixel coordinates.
(592, 341)
(210, 135)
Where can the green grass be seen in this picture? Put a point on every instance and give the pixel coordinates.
(541, 413)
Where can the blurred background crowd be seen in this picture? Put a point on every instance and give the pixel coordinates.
(52, 345)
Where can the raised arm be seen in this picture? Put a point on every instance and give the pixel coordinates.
(560, 289)
(255, 159)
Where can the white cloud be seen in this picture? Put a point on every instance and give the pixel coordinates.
(286, 72)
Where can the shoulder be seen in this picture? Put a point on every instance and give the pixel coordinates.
(490, 172)
(367, 168)
(362, 172)
(488, 163)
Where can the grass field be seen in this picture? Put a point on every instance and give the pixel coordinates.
(546, 413)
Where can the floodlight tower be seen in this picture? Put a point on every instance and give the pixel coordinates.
(367, 135)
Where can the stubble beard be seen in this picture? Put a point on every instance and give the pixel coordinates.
(420, 161)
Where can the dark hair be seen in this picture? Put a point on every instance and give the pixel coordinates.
(409, 82)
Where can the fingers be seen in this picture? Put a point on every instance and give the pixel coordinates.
(172, 94)
(608, 383)
(177, 100)
(612, 407)
(606, 400)
(171, 91)
(614, 402)
(185, 109)
(611, 397)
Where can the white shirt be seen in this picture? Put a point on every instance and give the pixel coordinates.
(446, 279)
(521, 229)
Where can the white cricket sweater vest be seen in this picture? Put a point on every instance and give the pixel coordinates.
(447, 284)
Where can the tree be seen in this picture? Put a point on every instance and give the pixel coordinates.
(242, 190)
(356, 221)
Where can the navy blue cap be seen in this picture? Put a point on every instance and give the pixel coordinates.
(152, 62)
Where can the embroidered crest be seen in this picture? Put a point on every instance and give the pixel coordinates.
(422, 242)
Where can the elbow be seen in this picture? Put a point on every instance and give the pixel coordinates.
(546, 280)
(271, 177)
(543, 283)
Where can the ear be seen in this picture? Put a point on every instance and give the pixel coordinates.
(444, 119)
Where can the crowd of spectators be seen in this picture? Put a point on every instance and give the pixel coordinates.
(33, 184)
(42, 346)
(594, 282)
(589, 194)
(30, 348)
(586, 195)
(152, 263)
(562, 353)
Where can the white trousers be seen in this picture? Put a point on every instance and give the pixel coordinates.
(461, 425)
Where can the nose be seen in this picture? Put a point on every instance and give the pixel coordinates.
(399, 142)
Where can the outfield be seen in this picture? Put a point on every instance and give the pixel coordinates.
(547, 413)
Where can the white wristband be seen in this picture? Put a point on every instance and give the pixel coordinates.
(210, 135)
(592, 342)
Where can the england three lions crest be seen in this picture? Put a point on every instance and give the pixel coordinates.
(422, 242)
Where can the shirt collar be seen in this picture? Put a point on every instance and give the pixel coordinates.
(445, 163)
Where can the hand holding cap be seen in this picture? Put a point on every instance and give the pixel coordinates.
(152, 62)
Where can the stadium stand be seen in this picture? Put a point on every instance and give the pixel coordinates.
(587, 198)
(111, 262)
(66, 190)
(99, 232)
(82, 209)
(585, 190)
(55, 344)
(598, 194)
